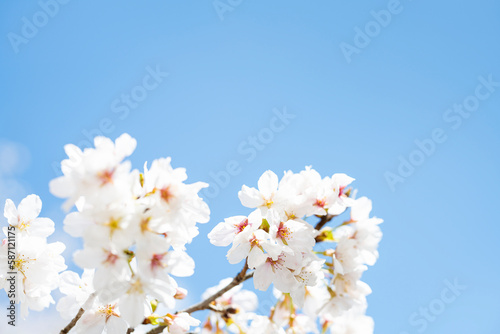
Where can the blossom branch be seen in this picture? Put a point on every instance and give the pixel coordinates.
(241, 277)
(73, 322)
(237, 280)
(156, 198)
(323, 221)
(205, 304)
(157, 330)
(80, 313)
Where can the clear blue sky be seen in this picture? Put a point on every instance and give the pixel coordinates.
(66, 78)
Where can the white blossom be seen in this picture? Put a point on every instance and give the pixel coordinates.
(135, 227)
(101, 318)
(179, 323)
(98, 174)
(36, 262)
(262, 325)
(25, 218)
(77, 291)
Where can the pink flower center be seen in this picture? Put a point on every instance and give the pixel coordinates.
(320, 203)
(284, 232)
(276, 265)
(166, 194)
(241, 226)
(254, 242)
(111, 258)
(106, 177)
(156, 261)
(108, 311)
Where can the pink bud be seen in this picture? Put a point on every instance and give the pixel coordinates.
(180, 293)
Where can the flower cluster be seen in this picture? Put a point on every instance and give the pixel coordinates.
(134, 227)
(277, 241)
(29, 265)
(357, 242)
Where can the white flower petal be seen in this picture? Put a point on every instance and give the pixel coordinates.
(116, 325)
(263, 277)
(30, 207)
(10, 212)
(268, 183)
(41, 227)
(250, 197)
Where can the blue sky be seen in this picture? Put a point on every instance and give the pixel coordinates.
(221, 77)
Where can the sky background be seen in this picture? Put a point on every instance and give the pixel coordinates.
(230, 72)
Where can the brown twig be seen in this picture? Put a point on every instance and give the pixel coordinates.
(323, 221)
(205, 304)
(80, 313)
(157, 330)
(73, 322)
(237, 280)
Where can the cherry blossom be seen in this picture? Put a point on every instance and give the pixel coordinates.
(77, 291)
(224, 233)
(134, 228)
(234, 308)
(36, 262)
(25, 217)
(101, 318)
(179, 323)
(97, 173)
